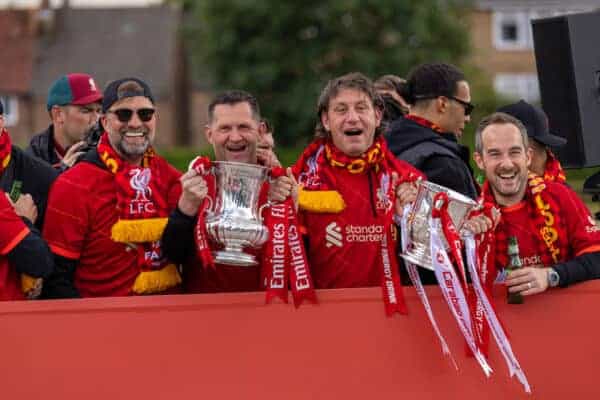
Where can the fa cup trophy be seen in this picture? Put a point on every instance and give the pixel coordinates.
(235, 221)
(459, 206)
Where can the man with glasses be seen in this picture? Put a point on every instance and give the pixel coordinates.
(74, 108)
(106, 215)
(440, 101)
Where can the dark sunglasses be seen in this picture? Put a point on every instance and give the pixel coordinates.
(467, 106)
(125, 114)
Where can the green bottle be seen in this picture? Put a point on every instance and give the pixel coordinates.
(514, 262)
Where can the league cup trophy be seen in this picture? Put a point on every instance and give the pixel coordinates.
(459, 206)
(235, 220)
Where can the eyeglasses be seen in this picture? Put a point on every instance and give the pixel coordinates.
(125, 114)
(467, 106)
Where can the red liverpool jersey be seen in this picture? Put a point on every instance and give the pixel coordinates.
(82, 208)
(12, 231)
(583, 236)
(343, 248)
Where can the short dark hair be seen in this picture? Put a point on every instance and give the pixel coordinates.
(390, 82)
(232, 97)
(430, 80)
(498, 118)
(353, 80)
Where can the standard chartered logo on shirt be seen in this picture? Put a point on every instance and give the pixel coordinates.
(334, 236)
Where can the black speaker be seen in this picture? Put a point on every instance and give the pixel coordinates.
(568, 65)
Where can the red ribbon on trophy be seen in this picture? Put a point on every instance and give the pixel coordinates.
(284, 258)
(202, 166)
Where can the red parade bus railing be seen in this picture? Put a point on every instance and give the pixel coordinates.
(232, 346)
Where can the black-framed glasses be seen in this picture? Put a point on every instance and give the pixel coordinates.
(466, 105)
(125, 114)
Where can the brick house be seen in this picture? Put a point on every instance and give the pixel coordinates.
(17, 41)
(503, 44)
(108, 44)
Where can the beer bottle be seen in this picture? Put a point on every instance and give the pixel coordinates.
(514, 262)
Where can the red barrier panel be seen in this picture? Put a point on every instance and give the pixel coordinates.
(232, 346)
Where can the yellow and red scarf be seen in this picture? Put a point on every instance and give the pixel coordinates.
(317, 173)
(5, 150)
(425, 122)
(549, 227)
(143, 213)
(553, 171)
(316, 166)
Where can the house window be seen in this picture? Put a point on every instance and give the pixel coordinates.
(518, 86)
(11, 110)
(511, 30)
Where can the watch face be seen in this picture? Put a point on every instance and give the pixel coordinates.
(553, 278)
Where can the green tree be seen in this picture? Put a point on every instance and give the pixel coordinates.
(284, 51)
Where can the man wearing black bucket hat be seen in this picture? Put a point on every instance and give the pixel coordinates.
(543, 161)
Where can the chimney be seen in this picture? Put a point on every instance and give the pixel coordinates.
(46, 19)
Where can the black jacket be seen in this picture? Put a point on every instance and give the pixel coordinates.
(32, 175)
(439, 156)
(42, 147)
(28, 175)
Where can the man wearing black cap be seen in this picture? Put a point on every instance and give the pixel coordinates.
(106, 214)
(74, 107)
(440, 101)
(25, 182)
(543, 161)
(559, 242)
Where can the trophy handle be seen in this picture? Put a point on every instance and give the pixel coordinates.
(261, 208)
(209, 209)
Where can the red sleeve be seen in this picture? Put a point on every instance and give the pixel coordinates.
(12, 229)
(66, 219)
(584, 234)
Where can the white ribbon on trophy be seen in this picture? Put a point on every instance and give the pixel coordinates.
(514, 367)
(418, 285)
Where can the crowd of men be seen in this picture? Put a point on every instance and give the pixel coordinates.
(92, 210)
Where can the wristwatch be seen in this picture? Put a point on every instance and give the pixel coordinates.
(553, 278)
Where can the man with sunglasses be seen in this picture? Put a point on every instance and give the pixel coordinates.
(440, 101)
(74, 108)
(107, 213)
